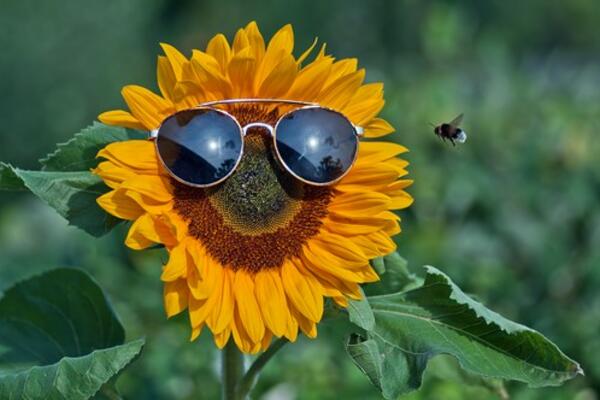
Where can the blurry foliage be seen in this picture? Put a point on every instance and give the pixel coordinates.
(513, 215)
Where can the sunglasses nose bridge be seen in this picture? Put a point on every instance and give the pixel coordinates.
(257, 125)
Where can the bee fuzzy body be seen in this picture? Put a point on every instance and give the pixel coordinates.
(451, 132)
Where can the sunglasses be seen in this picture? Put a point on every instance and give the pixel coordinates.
(202, 146)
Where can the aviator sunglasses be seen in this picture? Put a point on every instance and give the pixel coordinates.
(202, 146)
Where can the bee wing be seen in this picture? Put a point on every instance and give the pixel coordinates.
(456, 121)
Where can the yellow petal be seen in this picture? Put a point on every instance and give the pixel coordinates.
(374, 152)
(400, 200)
(146, 106)
(154, 187)
(370, 174)
(377, 127)
(280, 79)
(195, 284)
(384, 243)
(303, 291)
(247, 306)
(176, 267)
(165, 77)
(341, 301)
(359, 204)
(176, 59)
(271, 299)
(349, 226)
(196, 331)
(266, 341)
(175, 297)
(138, 155)
(368, 247)
(118, 204)
(331, 285)
(241, 337)
(188, 94)
(338, 93)
(365, 104)
(291, 329)
(240, 41)
(308, 327)
(120, 118)
(211, 272)
(321, 53)
(149, 204)
(256, 41)
(341, 247)
(363, 111)
(342, 68)
(198, 310)
(224, 301)
(307, 52)
(148, 231)
(310, 80)
(241, 71)
(113, 175)
(320, 263)
(218, 47)
(280, 45)
(208, 75)
(222, 338)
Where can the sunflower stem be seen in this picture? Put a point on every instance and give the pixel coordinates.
(232, 370)
(247, 382)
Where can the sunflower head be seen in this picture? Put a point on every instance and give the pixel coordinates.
(255, 256)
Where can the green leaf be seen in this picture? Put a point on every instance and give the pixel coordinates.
(70, 378)
(360, 313)
(438, 318)
(66, 183)
(9, 180)
(72, 194)
(59, 338)
(59, 313)
(395, 275)
(79, 153)
(446, 368)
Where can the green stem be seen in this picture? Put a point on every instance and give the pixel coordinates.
(232, 369)
(249, 379)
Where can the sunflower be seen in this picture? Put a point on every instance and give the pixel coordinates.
(256, 256)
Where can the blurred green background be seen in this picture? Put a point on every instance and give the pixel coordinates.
(513, 216)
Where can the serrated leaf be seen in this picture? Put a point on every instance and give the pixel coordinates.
(72, 378)
(66, 183)
(79, 153)
(72, 194)
(9, 180)
(59, 338)
(438, 318)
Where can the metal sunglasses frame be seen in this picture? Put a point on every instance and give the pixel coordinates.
(358, 131)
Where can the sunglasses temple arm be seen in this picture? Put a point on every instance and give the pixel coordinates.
(153, 134)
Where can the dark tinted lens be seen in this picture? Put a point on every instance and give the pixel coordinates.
(318, 145)
(199, 146)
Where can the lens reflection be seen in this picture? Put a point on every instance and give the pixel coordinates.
(318, 145)
(199, 146)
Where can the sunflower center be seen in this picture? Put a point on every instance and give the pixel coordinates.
(260, 215)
